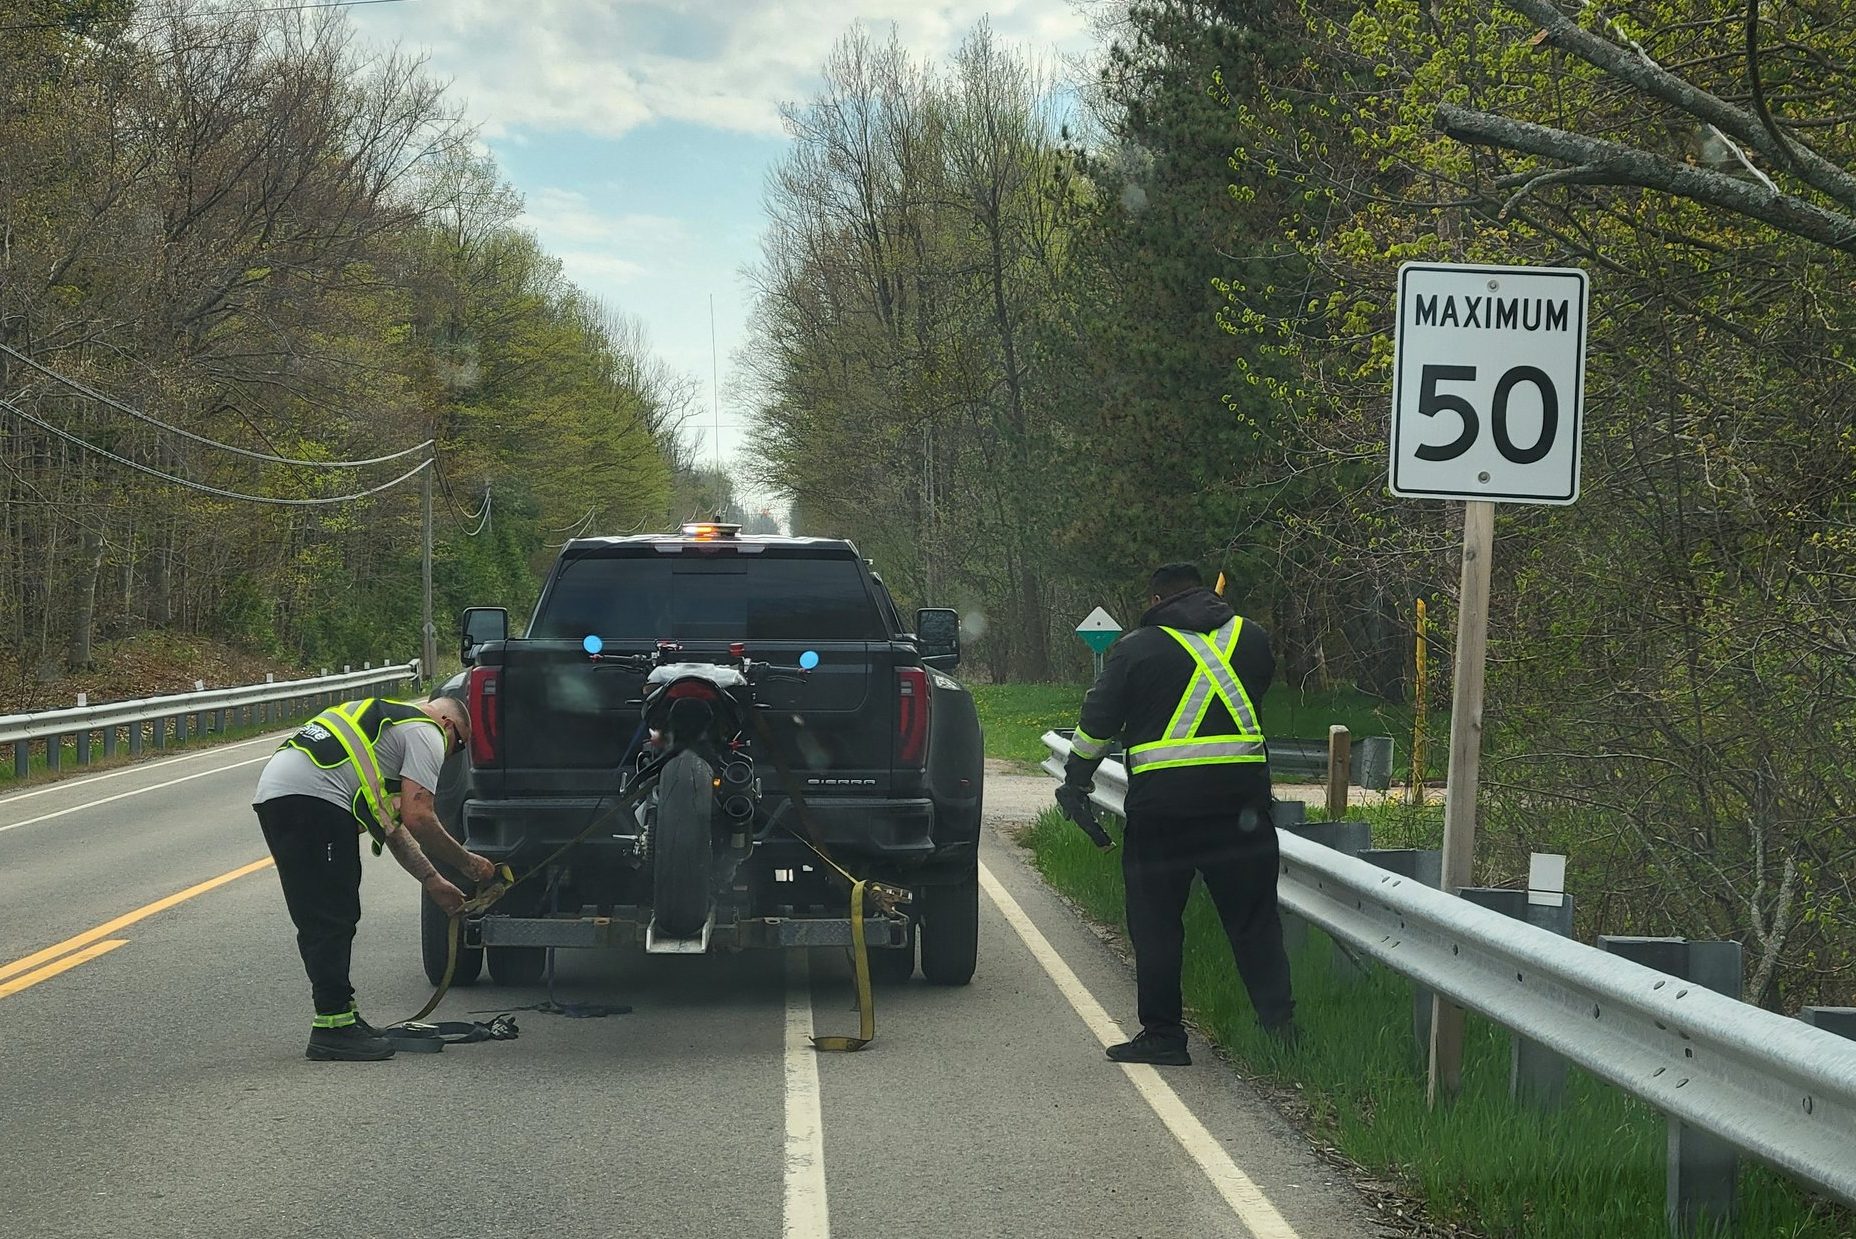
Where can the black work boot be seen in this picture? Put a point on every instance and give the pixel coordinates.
(348, 1043)
(1154, 1048)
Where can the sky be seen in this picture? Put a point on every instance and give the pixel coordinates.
(640, 132)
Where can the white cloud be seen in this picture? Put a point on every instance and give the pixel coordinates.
(603, 67)
(601, 252)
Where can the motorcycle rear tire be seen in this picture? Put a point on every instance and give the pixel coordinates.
(683, 846)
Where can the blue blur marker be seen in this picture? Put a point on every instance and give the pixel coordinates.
(592, 644)
(808, 660)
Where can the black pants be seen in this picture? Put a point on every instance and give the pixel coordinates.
(1159, 857)
(318, 855)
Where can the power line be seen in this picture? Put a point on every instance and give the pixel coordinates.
(151, 420)
(88, 446)
(281, 8)
(485, 522)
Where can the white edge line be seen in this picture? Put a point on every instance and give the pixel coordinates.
(1239, 1190)
(807, 1214)
(140, 767)
(152, 787)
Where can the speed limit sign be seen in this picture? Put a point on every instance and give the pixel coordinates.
(1488, 383)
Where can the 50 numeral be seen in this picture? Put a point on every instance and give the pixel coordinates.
(1431, 402)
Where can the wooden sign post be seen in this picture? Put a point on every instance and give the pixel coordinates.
(1488, 391)
(1472, 643)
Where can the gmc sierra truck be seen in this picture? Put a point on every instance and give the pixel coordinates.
(858, 715)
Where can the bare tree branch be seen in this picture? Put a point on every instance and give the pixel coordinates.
(1658, 82)
(1758, 88)
(1616, 164)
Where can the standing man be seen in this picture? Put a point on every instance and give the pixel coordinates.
(1180, 690)
(372, 766)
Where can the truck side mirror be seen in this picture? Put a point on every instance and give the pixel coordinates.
(937, 631)
(481, 624)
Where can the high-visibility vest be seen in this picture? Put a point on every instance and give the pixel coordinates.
(1183, 744)
(349, 732)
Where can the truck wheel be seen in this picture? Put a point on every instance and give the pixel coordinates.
(435, 940)
(518, 965)
(894, 965)
(682, 846)
(951, 931)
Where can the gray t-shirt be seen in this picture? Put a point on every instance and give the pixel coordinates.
(411, 750)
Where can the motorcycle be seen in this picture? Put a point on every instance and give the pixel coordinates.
(697, 743)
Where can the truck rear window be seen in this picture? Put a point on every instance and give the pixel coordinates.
(734, 598)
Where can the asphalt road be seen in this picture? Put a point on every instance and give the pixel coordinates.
(155, 1084)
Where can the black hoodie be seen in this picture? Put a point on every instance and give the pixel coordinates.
(1146, 674)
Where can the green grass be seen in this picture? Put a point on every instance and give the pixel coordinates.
(1014, 716)
(1591, 1170)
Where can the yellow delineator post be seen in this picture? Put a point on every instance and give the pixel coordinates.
(1472, 641)
(1420, 676)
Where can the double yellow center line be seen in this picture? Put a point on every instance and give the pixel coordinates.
(63, 956)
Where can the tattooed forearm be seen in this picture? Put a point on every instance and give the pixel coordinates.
(409, 854)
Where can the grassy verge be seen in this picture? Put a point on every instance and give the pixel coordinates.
(1015, 715)
(1591, 1170)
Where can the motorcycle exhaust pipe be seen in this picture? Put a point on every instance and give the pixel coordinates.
(739, 808)
(737, 774)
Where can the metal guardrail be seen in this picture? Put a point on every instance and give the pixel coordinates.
(1370, 767)
(1775, 1088)
(208, 710)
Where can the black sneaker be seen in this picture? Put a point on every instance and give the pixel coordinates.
(1160, 1051)
(350, 1043)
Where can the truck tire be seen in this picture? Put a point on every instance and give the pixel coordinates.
(518, 965)
(682, 846)
(435, 941)
(950, 933)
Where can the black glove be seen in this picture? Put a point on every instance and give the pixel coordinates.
(1076, 805)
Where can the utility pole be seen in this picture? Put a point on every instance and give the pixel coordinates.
(429, 660)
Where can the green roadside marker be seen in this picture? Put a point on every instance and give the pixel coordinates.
(1099, 631)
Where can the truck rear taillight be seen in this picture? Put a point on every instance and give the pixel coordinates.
(912, 705)
(486, 714)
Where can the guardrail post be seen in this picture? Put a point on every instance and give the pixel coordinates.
(83, 747)
(1535, 1073)
(22, 758)
(1348, 838)
(1372, 762)
(1839, 1020)
(109, 742)
(180, 730)
(1425, 866)
(54, 752)
(1704, 1170)
(135, 738)
(1340, 770)
(158, 728)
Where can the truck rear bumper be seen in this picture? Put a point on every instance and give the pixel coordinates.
(757, 933)
(870, 828)
(864, 827)
(494, 827)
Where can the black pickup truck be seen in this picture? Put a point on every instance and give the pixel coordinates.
(882, 745)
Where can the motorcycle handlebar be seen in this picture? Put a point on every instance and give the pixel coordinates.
(757, 672)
